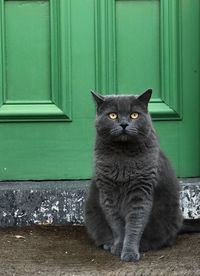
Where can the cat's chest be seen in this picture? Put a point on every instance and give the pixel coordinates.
(123, 169)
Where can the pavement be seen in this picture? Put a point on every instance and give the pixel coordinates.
(67, 250)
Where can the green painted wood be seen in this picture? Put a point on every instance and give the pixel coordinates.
(57, 150)
(27, 74)
(157, 41)
(36, 61)
(138, 71)
(49, 133)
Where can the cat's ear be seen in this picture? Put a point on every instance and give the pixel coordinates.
(145, 97)
(97, 98)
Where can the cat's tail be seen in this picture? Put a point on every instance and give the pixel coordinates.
(190, 225)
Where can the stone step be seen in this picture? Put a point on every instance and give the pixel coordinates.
(62, 202)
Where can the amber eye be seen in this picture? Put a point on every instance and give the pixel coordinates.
(112, 115)
(134, 115)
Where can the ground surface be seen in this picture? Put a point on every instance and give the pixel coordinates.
(49, 250)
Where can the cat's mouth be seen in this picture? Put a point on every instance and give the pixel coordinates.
(124, 131)
(119, 132)
(123, 135)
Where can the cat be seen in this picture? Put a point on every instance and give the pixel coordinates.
(133, 200)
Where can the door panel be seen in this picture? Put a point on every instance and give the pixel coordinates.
(36, 61)
(50, 136)
(144, 69)
(48, 67)
(27, 41)
(138, 45)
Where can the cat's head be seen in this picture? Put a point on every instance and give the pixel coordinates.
(123, 118)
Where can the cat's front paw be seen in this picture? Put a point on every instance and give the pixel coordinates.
(107, 246)
(116, 249)
(130, 256)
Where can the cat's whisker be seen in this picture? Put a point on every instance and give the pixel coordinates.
(132, 131)
(115, 131)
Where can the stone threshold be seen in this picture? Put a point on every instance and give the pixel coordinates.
(25, 203)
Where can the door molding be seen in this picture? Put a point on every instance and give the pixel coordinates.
(58, 106)
(168, 106)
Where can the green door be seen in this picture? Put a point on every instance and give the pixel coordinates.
(53, 52)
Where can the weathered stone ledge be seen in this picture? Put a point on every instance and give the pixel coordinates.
(61, 202)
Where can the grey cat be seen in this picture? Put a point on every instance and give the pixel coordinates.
(133, 201)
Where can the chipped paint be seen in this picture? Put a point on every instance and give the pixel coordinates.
(55, 207)
(190, 200)
(4, 214)
(63, 202)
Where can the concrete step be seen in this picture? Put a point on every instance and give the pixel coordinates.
(62, 202)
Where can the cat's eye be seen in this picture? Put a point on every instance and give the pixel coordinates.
(113, 115)
(134, 115)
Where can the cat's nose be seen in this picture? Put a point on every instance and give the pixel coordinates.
(123, 125)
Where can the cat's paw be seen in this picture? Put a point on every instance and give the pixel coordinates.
(116, 249)
(130, 256)
(107, 246)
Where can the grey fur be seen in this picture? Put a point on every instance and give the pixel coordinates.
(133, 202)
